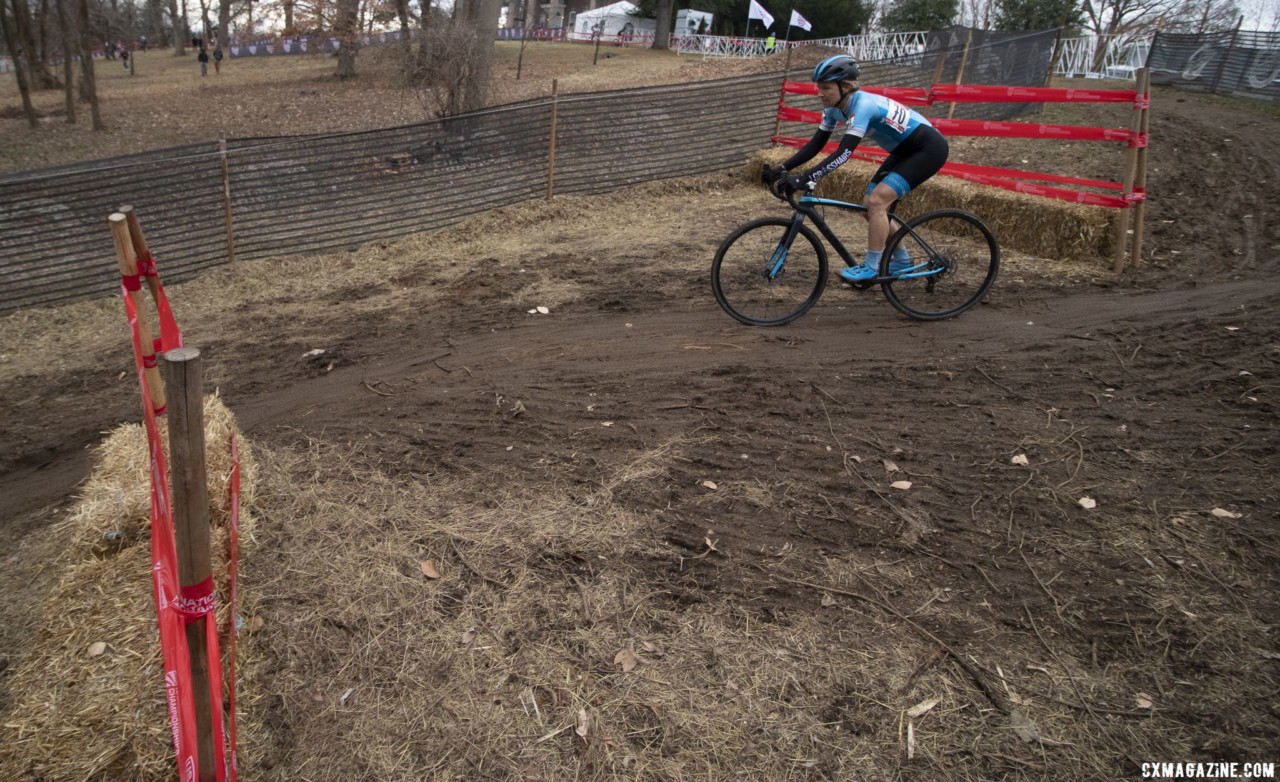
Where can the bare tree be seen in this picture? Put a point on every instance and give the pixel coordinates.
(38, 76)
(68, 57)
(482, 17)
(19, 67)
(346, 28)
(662, 32)
(88, 83)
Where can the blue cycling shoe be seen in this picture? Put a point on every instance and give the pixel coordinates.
(862, 272)
(859, 273)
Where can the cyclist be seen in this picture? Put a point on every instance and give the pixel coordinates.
(916, 151)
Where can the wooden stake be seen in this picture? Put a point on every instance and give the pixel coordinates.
(128, 263)
(551, 150)
(964, 59)
(226, 201)
(140, 248)
(782, 95)
(1130, 173)
(1140, 183)
(187, 474)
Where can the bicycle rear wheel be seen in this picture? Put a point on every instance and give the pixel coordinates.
(955, 259)
(761, 281)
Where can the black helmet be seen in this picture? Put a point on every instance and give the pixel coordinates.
(839, 67)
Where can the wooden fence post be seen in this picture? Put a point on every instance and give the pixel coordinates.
(1140, 182)
(551, 151)
(1130, 175)
(188, 477)
(1053, 58)
(140, 249)
(782, 97)
(128, 263)
(964, 59)
(226, 200)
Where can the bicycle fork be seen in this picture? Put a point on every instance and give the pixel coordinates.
(778, 260)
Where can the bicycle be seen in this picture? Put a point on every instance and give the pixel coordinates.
(762, 276)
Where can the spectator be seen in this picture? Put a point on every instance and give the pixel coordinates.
(124, 57)
(217, 58)
(770, 43)
(203, 57)
(142, 41)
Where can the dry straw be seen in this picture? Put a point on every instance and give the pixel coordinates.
(88, 697)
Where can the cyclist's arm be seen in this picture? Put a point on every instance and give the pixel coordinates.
(809, 150)
(835, 159)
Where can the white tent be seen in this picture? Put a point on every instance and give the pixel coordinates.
(687, 21)
(612, 20)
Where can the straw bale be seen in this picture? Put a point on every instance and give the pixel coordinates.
(82, 711)
(1041, 227)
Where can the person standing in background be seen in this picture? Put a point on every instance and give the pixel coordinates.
(217, 58)
(203, 57)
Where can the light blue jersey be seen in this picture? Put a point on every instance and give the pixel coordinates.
(875, 118)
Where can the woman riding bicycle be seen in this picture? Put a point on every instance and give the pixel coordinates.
(916, 152)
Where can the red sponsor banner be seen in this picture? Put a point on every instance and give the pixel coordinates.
(990, 93)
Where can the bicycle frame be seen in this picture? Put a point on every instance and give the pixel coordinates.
(805, 207)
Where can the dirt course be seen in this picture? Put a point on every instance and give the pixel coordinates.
(741, 482)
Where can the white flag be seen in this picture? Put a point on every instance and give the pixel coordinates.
(757, 12)
(799, 21)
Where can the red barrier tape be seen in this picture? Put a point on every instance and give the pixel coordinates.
(987, 93)
(988, 129)
(1005, 178)
(233, 558)
(175, 606)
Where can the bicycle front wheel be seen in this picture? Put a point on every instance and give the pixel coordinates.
(760, 280)
(954, 260)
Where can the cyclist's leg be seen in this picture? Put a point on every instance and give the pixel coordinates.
(900, 175)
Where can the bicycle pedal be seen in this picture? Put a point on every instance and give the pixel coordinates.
(858, 286)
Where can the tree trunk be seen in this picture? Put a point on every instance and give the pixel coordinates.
(224, 22)
(347, 30)
(19, 68)
(482, 16)
(662, 32)
(423, 22)
(288, 17)
(178, 49)
(402, 11)
(88, 83)
(38, 76)
(68, 58)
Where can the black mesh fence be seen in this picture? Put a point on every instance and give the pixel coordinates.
(311, 194)
(1243, 63)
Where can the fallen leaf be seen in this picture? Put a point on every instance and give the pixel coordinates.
(469, 635)
(543, 311)
(922, 708)
(904, 485)
(342, 699)
(581, 730)
(1023, 726)
(1088, 503)
(710, 485)
(256, 624)
(827, 600)
(563, 697)
(428, 568)
(1143, 700)
(652, 648)
(911, 741)
(627, 659)
(97, 648)
(606, 423)
(889, 466)
(1020, 459)
(313, 353)
(1222, 513)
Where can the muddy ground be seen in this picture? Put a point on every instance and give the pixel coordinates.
(751, 475)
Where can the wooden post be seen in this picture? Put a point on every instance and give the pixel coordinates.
(140, 249)
(1130, 174)
(1231, 45)
(1053, 58)
(128, 263)
(964, 59)
(782, 97)
(191, 527)
(551, 150)
(226, 201)
(1140, 182)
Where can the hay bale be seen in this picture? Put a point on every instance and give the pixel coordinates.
(1042, 227)
(89, 697)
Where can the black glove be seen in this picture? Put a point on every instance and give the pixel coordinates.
(771, 174)
(796, 183)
